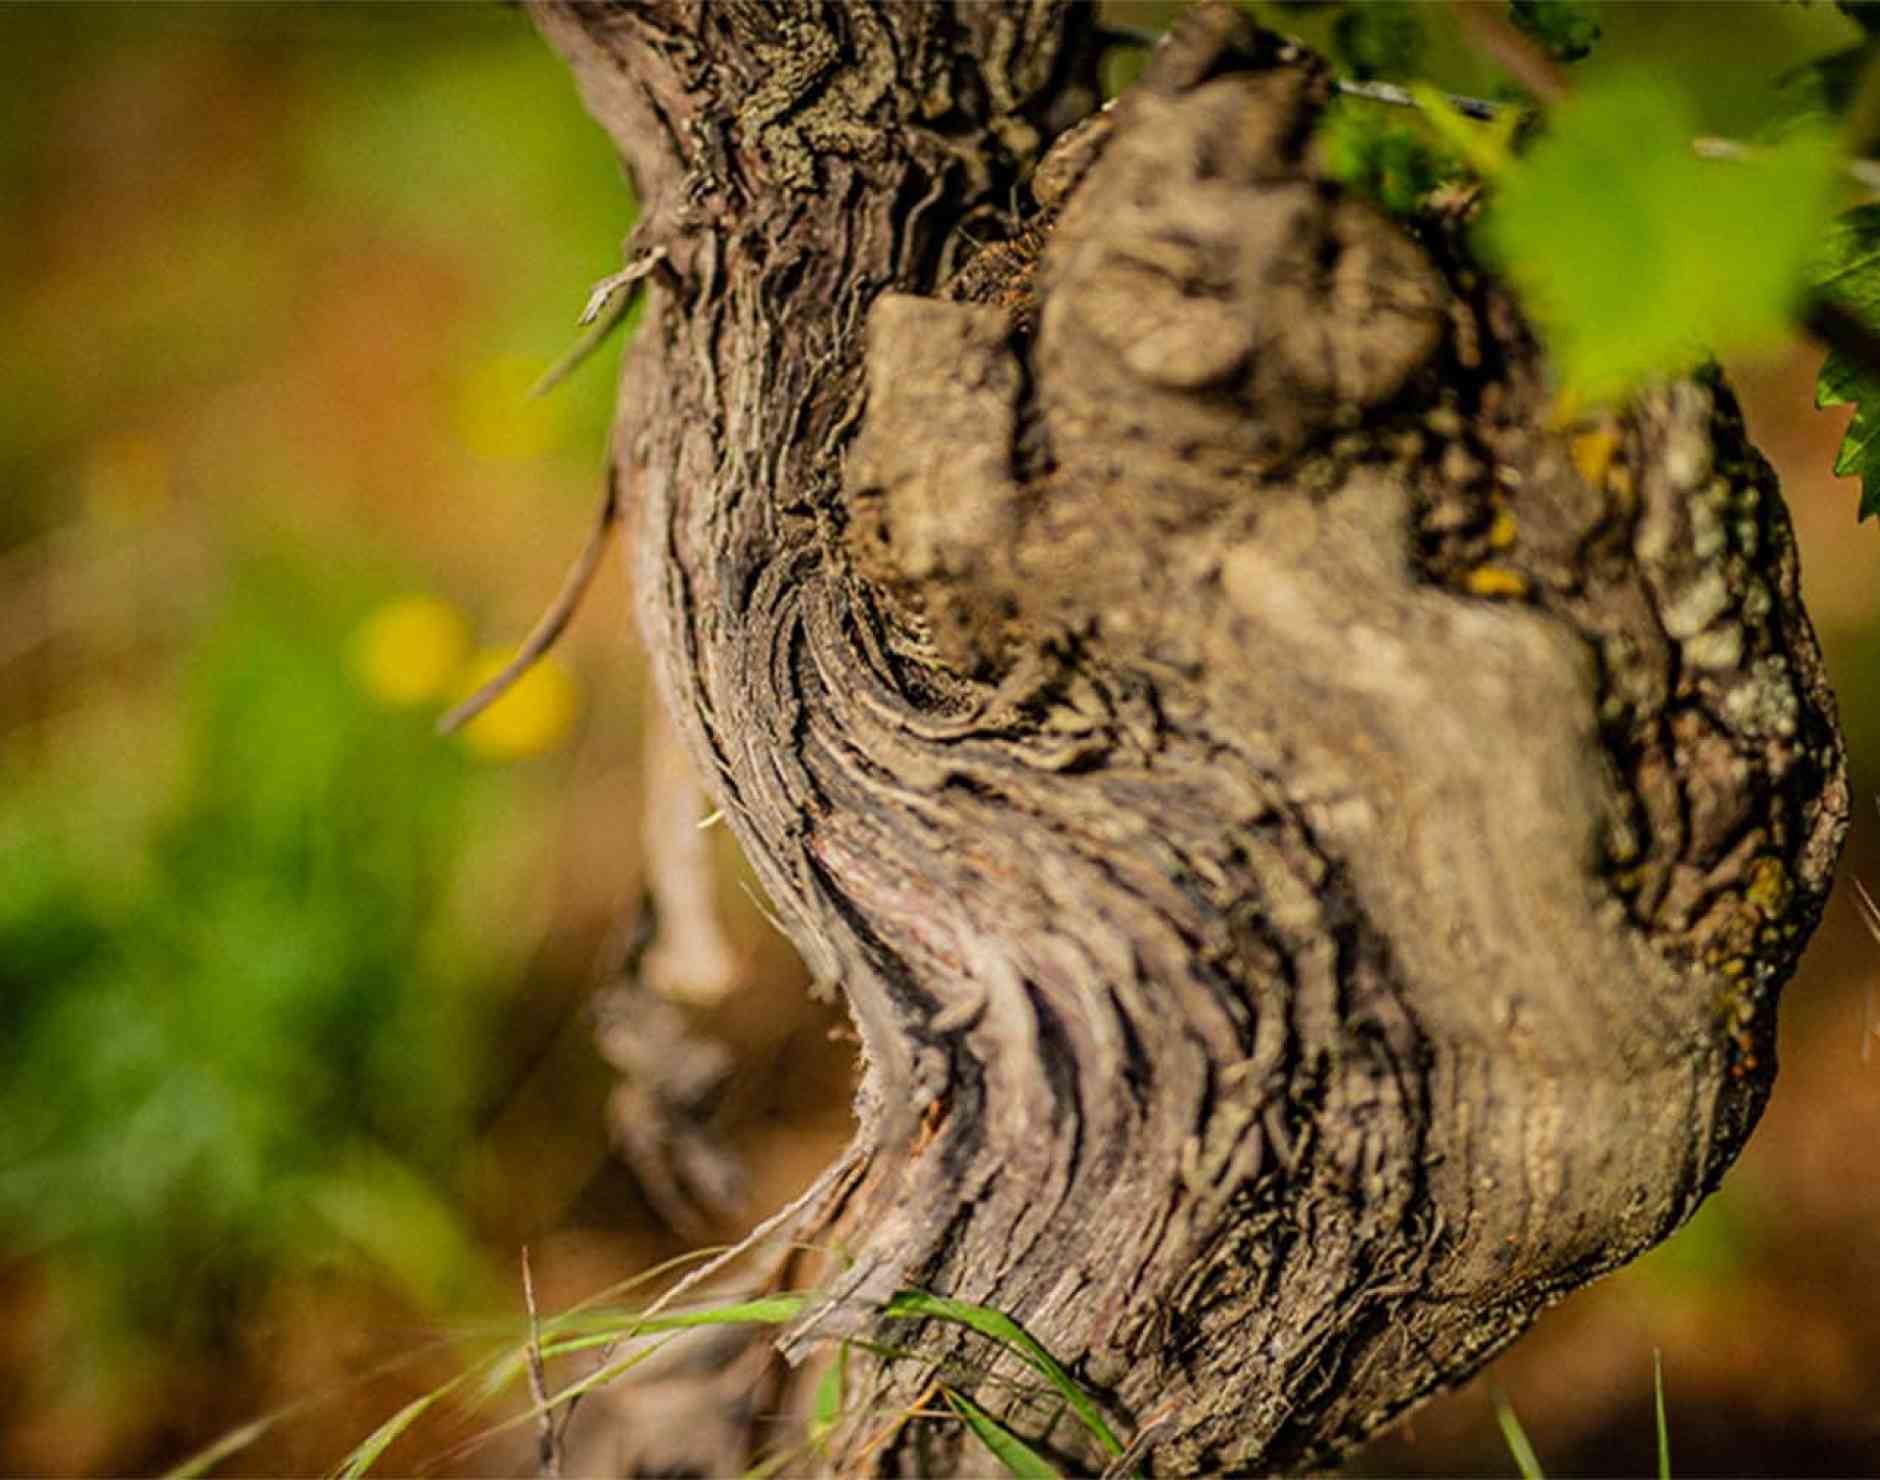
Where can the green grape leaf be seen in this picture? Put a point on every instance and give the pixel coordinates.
(1847, 269)
(1636, 258)
(1566, 29)
(1379, 39)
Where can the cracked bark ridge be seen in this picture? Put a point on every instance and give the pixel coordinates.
(1311, 848)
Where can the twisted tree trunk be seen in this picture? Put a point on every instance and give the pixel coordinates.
(1310, 847)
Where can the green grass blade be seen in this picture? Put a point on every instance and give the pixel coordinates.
(826, 1412)
(233, 1442)
(614, 1327)
(772, 1310)
(1658, 1404)
(380, 1439)
(236, 1440)
(581, 1387)
(533, 1413)
(1007, 1332)
(589, 1313)
(1516, 1439)
(769, 1310)
(1018, 1457)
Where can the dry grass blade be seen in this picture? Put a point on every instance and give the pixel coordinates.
(549, 1456)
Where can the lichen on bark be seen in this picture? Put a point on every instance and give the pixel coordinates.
(1310, 846)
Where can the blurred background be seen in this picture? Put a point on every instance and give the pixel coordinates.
(295, 1046)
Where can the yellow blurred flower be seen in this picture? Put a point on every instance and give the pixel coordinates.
(498, 419)
(411, 650)
(534, 715)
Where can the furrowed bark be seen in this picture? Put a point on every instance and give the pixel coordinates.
(1310, 847)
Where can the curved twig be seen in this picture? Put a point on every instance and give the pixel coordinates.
(606, 297)
(554, 620)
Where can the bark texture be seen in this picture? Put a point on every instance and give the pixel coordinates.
(1310, 846)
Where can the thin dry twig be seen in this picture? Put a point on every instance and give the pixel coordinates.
(567, 601)
(576, 355)
(897, 1423)
(606, 295)
(614, 282)
(549, 1450)
(1402, 97)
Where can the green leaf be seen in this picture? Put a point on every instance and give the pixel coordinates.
(1566, 28)
(1008, 1333)
(1018, 1457)
(1378, 39)
(1847, 269)
(1636, 258)
(1515, 1437)
(1847, 262)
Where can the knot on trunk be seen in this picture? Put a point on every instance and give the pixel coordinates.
(1484, 765)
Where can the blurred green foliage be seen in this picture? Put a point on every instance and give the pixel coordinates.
(1566, 29)
(277, 279)
(1397, 162)
(1714, 1247)
(248, 1030)
(1382, 39)
(1637, 258)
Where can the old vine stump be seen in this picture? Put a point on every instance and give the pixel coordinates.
(1310, 845)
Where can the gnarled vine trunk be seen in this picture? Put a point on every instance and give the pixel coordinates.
(1310, 845)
